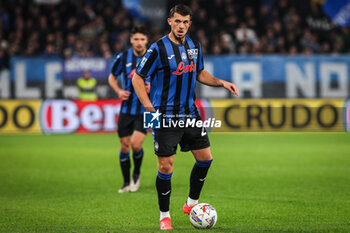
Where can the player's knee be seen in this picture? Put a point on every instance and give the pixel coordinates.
(136, 146)
(165, 167)
(125, 147)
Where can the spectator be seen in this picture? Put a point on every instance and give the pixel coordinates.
(245, 34)
(100, 28)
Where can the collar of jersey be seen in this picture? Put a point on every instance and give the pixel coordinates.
(183, 44)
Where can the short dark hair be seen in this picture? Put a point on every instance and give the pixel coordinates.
(180, 9)
(139, 29)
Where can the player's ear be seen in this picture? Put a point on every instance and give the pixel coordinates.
(169, 21)
(190, 23)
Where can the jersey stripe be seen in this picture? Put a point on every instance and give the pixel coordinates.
(130, 86)
(150, 62)
(178, 58)
(125, 79)
(166, 75)
(189, 83)
(115, 65)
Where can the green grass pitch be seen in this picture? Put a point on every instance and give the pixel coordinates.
(258, 182)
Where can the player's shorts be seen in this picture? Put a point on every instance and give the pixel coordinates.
(128, 123)
(167, 139)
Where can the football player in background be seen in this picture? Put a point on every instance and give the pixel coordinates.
(130, 124)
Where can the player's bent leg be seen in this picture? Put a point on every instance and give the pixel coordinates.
(137, 139)
(163, 185)
(124, 158)
(125, 144)
(198, 175)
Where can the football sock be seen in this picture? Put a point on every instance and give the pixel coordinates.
(163, 184)
(125, 165)
(191, 202)
(137, 156)
(165, 214)
(198, 175)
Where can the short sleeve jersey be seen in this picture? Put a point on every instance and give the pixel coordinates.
(173, 69)
(126, 63)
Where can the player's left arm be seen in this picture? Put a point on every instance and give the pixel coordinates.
(207, 79)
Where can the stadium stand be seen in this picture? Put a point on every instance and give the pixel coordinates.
(101, 28)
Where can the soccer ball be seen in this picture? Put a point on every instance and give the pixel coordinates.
(203, 215)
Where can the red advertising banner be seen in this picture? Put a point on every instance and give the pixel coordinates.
(75, 116)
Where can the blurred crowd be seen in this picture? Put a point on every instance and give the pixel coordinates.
(100, 28)
(267, 27)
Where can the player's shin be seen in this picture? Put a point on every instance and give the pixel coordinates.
(137, 156)
(124, 159)
(198, 176)
(163, 184)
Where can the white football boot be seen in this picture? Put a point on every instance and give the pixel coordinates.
(124, 189)
(135, 183)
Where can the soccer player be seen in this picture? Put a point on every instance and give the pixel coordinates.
(174, 64)
(130, 125)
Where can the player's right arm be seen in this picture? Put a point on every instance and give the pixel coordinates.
(122, 94)
(145, 69)
(112, 78)
(140, 89)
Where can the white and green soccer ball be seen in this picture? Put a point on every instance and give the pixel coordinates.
(203, 215)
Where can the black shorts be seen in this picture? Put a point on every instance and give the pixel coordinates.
(167, 139)
(128, 123)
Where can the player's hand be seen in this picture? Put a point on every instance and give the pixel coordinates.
(148, 87)
(123, 95)
(231, 87)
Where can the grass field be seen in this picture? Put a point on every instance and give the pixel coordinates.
(272, 182)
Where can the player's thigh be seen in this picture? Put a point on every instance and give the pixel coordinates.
(125, 125)
(202, 154)
(137, 138)
(138, 126)
(166, 141)
(194, 138)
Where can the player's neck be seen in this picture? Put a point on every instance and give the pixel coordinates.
(139, 54)
(175, 39)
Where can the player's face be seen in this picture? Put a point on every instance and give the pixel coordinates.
(179, 25)
(138, 42)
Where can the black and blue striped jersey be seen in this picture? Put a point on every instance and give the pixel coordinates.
(126, 63)
(173, 69)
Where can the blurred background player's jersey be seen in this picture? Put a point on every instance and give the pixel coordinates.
(126, 63)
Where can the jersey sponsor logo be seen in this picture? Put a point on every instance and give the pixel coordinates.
(171, 56)
(131, 75)
(192, 53)
(182, 68)
(129, 64)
